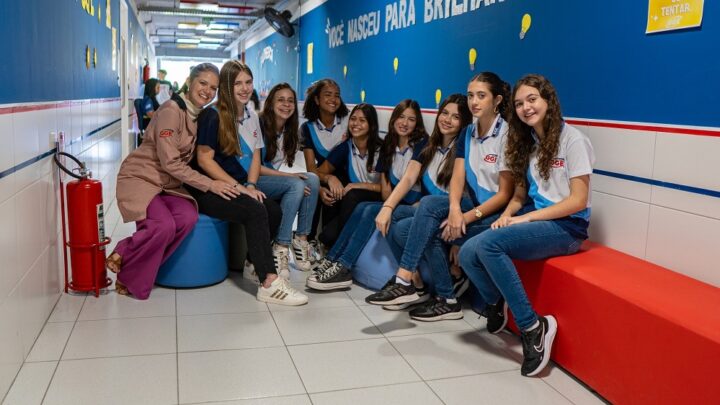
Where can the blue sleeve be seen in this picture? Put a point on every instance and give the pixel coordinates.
(306, 140)
(418, 148)
(379, 167)
(207, 129)
(147, 105)
(338, 157)
(460, 143)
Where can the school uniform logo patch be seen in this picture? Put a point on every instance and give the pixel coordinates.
(166, 133)
(491, 158)
(557, 163)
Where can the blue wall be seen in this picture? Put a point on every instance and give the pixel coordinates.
(595, 52)
(43, 48)
(282, 67)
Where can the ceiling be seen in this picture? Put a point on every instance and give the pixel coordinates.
(184, 27)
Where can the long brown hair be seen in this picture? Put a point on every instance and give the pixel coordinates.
(498, 87)
(520, 142)
(374, 141)
(227, 130)
(311, 109)
(436, 139)
(392, 139)
(290, 130)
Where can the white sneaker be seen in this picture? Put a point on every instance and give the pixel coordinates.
(280, 292)
(249, 273)
(281, 255)
(301, 249)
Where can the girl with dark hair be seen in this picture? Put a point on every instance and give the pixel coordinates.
(551, 163)
(150, 187)
(149, 101)
(297, 192)
(405, 139)
(349, 171)
(478, 170)
(325, 128)
(229, 143)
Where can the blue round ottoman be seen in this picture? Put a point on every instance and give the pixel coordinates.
(377, 264)
(201, 259)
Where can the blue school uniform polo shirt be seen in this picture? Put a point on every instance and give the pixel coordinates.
(320, 139)
(279, 158)
(484, 159)
(429, 182)
(207, 133)
(250, 136)
(575, 157)
(401, 160)
(350, 164)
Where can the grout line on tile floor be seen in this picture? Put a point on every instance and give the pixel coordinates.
(290, 355)
(47, 389)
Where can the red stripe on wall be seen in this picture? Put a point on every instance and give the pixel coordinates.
(640, 127)
(48, 106)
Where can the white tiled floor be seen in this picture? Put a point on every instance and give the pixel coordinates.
(220, 345)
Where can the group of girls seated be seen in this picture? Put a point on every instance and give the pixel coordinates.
(500, 177)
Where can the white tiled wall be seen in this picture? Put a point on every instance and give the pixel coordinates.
(676, 229)
(30, 239)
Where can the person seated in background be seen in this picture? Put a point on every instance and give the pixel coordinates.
(149, 101)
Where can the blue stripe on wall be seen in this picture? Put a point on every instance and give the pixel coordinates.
(652, 182)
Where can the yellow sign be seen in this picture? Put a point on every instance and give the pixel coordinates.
(668, 15)
(310, 47)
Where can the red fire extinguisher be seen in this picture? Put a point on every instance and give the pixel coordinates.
(146, 71)
(86, 225)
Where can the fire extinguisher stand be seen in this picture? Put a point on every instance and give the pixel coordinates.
(84, 256)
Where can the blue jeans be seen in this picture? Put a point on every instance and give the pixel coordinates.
(426, 242)
(290, 191)
(487, 261)
(358, 229)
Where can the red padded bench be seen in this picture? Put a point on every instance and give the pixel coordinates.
(635, 332)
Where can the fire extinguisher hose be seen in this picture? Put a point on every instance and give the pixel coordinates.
(63, 168)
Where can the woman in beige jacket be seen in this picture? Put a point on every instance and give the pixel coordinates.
(150, 186)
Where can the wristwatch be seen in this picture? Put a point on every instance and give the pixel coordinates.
(478, 213)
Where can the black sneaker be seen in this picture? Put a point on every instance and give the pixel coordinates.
(423, 297)
(393, 294)
(322, 266)
(335, 277)
(537, 344)
(437, 310)
(460, 284)
(496, 316)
